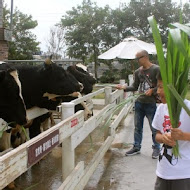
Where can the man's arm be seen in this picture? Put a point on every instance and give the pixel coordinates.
(133, 87)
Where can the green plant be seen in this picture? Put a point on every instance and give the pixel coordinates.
(174, 68)
(188, 95)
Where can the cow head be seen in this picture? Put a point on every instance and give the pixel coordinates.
(90, 77)
(84, 77)
(12, 107)
(59, 81)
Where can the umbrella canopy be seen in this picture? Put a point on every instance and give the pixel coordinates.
(127, 49)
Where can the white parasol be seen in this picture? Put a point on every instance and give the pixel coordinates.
(127, 49)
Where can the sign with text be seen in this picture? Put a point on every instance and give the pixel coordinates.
(42, 147)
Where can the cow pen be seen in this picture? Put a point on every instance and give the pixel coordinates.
(70, 132)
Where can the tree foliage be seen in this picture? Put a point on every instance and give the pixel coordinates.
(91, 30)
(85, 33)
(23, 43)
(137, 13)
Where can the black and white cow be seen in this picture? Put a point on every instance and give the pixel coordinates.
(40, 80)
(84, 77)
(40, 83)
(81, 74)
(12, 107)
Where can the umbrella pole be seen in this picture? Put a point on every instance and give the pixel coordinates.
(132, 66)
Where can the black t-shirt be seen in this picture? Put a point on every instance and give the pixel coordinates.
(141, 85)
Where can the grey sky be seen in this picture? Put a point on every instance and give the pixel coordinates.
(49, 12)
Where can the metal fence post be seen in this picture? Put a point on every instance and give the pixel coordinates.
(68, 155)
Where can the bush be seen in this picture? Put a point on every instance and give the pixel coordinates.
(113, 76)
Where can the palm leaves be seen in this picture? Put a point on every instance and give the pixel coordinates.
(174, 68)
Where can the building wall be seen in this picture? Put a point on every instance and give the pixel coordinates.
(1, 14)
(3, 50)
(3, 43)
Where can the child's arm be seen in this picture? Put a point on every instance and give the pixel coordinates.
(178, 134)
(165, 138)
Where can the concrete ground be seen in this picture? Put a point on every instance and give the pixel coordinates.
(128, 172)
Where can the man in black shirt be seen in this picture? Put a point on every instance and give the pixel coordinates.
(145, 82)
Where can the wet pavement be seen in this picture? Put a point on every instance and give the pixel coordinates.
(115, 171)
(132, 172)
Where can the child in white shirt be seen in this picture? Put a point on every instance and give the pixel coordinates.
(172, 173)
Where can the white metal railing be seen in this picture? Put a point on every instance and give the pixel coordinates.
(42, 61)
(71, 131)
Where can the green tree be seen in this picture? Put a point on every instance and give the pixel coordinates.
(118, 25)
(137, 13)
(91, 30)
(85, 31)
(186, 12)
(23, 43)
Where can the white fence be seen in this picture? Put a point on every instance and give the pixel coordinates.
(71, 131)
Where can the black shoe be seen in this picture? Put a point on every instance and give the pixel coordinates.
(155, 153)
(132, 152)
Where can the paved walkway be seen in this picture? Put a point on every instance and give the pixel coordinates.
(132, 172)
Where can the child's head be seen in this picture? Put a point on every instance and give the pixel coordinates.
(160, 88)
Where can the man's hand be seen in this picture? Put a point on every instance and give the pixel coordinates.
(120, 87)
(149, 92)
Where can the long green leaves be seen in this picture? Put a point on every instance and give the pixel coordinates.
(3, 129)
(182, 27)
(174, 68)
(179, 98)
(5, 126)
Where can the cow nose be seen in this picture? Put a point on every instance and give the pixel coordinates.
(23, 121)
(81, 86)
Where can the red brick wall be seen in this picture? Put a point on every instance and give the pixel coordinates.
(3, 50)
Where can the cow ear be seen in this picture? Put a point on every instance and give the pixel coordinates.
(48, 64)
(48, 61)
(71, 68)
(2, 75)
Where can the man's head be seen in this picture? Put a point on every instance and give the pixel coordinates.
(142, 57)
(160, 88)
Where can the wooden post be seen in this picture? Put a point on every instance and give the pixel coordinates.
(122, 82)
(130, 77)
(68, 155)
(108, 91)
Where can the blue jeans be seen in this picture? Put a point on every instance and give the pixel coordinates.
(142, 110)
